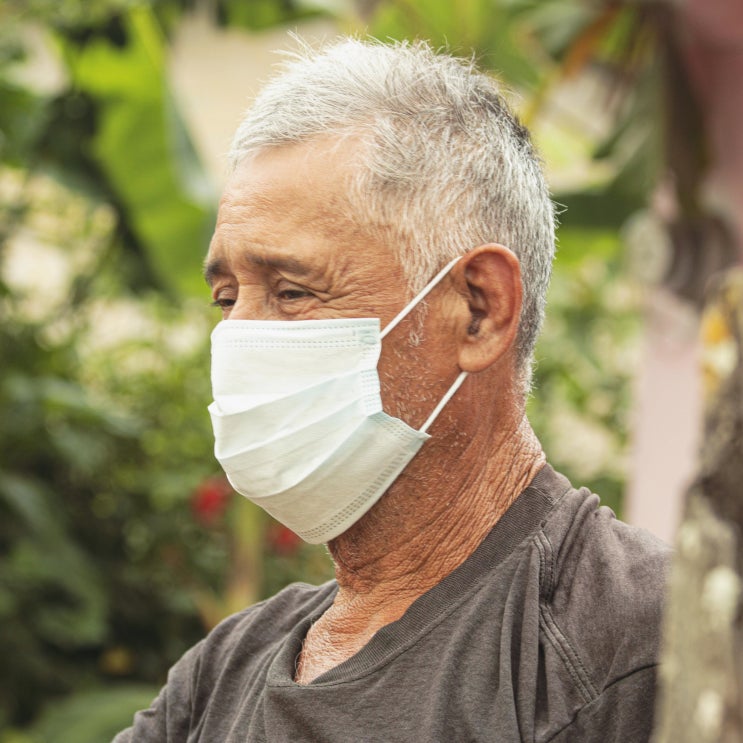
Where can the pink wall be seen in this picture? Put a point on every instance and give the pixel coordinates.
(668, 392)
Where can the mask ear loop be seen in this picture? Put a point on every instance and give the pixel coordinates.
(445, 399)
(403, 314)
(414, 302)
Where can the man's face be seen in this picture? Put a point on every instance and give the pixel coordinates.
(284, 249)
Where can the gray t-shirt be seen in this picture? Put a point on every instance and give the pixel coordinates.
(549, 631)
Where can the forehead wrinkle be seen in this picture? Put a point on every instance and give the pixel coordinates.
(328, 219)
(255, 204)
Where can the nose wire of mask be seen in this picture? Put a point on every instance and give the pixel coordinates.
(298, 421)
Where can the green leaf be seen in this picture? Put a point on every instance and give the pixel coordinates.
(22, 118)
(598, 208)
(489, 29)
(92, 716)
(28, 499)
(259, 15)
(72, 612)
(139, 145)
(558, 22)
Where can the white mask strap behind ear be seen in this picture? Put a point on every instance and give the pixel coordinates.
(413, 302)
(403, 314)
(445, 399)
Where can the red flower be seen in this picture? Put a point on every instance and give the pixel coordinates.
(209, 500)
(282, 540)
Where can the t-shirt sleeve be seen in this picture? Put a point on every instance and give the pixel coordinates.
(169, 716)
(623, 712)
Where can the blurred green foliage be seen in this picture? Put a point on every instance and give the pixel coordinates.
(96, 576)
(119, 542)
(109, 570)
(585, 361)
(93, 716)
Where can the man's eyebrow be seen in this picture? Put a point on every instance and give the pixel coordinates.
(212, 270)
(281, 262)
(216, 267)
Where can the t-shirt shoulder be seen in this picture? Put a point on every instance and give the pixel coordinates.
(606, 587)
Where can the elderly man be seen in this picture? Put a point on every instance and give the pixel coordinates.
(478, 596)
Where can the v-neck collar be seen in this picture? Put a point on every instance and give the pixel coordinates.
(525, 516)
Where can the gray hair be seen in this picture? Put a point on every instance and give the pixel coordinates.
(444, 166)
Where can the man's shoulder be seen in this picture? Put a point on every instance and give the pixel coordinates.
(591, 548)
(604, 586)
(579, 532)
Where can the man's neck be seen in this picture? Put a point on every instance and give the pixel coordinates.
(430, 521)
(427, 524)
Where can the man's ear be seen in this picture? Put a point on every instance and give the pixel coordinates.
(489, 280)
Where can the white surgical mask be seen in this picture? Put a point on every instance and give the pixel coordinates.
(298, 422)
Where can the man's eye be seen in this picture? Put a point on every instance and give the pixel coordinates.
(290, 294)
(223, 302)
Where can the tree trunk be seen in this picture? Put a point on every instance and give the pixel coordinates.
(700, 697)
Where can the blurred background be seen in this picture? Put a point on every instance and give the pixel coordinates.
(120, 542)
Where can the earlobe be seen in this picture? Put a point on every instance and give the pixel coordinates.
(490, 281)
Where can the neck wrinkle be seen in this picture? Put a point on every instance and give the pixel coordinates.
(427, 525)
